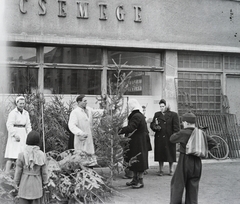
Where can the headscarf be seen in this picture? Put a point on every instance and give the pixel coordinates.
(133, 104)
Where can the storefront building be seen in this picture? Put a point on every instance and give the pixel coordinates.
(184, 51)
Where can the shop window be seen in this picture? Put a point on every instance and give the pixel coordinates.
(21, 54)
(72, 55)
(139, 82)
(135, 58)
(232, 62)
(198, 60)
(23, 80)
(199, 92)
(72, 81)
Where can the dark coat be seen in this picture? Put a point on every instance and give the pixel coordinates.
(138, 141)
(164, 150)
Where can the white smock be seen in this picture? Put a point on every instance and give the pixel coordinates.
(80, 122)
(18, 124)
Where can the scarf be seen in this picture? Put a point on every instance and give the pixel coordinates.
(33, 156)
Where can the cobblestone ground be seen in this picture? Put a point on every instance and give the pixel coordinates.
(220, 184)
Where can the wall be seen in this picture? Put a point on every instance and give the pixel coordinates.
(165, 24)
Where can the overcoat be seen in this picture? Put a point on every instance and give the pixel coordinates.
(30, 181)
(80, 122)
(17, 124)
(138, 141)
(164, 150)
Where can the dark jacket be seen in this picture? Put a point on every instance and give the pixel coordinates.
(164, 150)
(138, 141)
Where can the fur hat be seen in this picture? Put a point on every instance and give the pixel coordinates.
(162, 101)
(33, 138)
(189, 118)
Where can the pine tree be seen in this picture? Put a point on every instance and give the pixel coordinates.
(109, 144)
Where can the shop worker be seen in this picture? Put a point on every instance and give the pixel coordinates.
(188, 171)
(18, 126)
(164, 124)
(80, 124)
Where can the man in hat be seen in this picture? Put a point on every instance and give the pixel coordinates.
(188, 171)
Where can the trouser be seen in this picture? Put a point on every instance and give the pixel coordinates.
(187, 175)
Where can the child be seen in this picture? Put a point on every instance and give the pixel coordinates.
(31, 171)
(189, 167)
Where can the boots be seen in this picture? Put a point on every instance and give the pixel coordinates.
(139, 184)
(134, 181)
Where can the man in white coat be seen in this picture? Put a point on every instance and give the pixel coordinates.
(80, 124)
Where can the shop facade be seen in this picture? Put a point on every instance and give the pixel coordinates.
(184, 51)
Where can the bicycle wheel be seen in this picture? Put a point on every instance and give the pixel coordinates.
(221, 151)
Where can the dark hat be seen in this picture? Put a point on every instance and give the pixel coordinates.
(162, 101)
(189, 117)
(33, 138)
(80, 97)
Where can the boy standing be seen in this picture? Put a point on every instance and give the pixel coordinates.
(189, 167)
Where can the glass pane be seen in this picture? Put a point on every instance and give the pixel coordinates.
(72, 55)
(139, 83)
(135, 58)
(23, 80)
(21, 54)
(67, 81)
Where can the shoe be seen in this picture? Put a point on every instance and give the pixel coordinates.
(134, 181)
(171, 173)
(160, 173)
(139, 184)
(145, 172)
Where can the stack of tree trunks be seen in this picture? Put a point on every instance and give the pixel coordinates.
(224, 125)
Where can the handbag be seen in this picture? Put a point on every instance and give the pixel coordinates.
(197, 144)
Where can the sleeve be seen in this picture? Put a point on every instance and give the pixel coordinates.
(10, 123)
(72, 124)
(28, 124)
(211, 142)
(178, 137)
(176, 124)
(132, 125)
(153, 125)
(44, 173)
(19, 169)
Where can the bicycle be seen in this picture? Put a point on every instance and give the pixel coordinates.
(221, 150)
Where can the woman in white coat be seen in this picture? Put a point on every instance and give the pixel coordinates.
(18, 126)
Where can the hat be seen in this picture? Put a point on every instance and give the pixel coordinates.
(189, 117)
(33, 138)
(162, 101)
(80, 97)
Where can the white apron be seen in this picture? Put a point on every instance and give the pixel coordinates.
(17, 124)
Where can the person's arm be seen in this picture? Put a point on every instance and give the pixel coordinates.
(28, 123)
(132, 126)
(176, 125)
(72, 124)
(19, 169)
(44, 173)
(211, 142)
(10, 124)
(155, 127)
(178, 137)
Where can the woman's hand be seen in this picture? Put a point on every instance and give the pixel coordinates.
(17, 138)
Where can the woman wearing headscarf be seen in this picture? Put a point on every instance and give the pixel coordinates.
(18, 126)
(137, 131)
(164, 124)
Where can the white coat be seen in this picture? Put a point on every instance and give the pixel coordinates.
(13, 147)
(79, 124)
